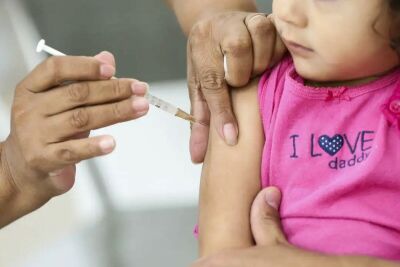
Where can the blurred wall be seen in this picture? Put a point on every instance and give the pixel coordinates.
(143, 35)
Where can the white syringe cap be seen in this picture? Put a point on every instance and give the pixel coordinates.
(40, 46)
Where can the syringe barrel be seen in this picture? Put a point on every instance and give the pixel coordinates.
(161, 104)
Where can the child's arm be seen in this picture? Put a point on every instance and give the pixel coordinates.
(55, 107)
(231, 179)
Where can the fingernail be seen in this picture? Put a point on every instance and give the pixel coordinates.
(230, 134)
(140, 104)
(139, 88)
(99, 56)
(258, 16)
(272, 198)
(107, 70)
(271, 17)
(107, 145)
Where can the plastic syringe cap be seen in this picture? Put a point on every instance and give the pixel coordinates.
(40, 46)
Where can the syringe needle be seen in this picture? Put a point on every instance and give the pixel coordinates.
(168, 107)
(186, 116)
(155, 101)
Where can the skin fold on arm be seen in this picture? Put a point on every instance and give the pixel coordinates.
(231, 179)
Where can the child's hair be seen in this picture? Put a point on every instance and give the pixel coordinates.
(395, 29)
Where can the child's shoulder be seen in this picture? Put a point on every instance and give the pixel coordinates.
(275, 75)
(278, 71)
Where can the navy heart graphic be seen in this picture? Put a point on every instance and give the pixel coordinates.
(331, 145)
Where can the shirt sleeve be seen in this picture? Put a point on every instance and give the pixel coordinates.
(270, 88)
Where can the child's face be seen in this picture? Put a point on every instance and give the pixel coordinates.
(336, 40)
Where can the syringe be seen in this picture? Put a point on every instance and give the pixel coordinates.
(155, 101)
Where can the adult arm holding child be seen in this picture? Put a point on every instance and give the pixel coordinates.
(54, 109)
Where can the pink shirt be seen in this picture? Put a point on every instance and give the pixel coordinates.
(335, 154)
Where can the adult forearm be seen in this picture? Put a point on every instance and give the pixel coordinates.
(188, 12)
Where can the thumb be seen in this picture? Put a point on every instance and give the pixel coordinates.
(264, 218)
(62, 180)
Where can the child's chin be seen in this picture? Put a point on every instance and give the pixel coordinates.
(312, 73)
(316, 76)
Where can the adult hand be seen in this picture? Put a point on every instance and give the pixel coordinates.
(273, 250)
(250, 44)
(54, 109)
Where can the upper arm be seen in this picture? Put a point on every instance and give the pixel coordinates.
(231, 178)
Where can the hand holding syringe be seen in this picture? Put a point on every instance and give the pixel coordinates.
(155, 101)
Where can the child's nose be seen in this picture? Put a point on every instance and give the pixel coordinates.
(292, 12)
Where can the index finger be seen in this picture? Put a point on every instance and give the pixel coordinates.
(85, 94)
(207, 63)
(57, 70)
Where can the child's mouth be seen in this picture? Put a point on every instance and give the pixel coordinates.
(297, 48)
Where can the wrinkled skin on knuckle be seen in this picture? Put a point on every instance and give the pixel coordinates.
(117, 88)
(193, 83)
(201, 31)
(78, 92)
(118, 112)
(211, 81)
(67, 155)
(79, 119)
(260, 25)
